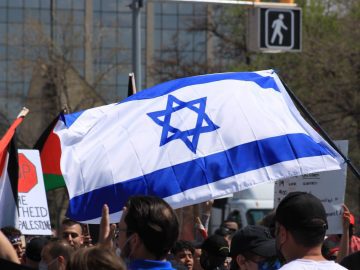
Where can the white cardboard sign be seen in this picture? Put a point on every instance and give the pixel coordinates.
(328, 186)
(34, 216)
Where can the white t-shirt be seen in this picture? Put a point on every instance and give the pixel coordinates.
(302, 264)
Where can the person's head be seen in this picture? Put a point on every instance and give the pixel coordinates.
(229, 227)
(252, 248)
(225, 232)
(301, 225)
(14, 236)
(72, 232)
(148, 228)
(33, 251)
(95, 258)
(183, 252)
(269, 222)
(214, 253)
(234, 217)
(55, 255)
(197, 255)
(231, 224)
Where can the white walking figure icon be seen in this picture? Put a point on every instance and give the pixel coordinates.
(278, 25)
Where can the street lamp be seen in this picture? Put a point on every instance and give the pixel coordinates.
(136, 6)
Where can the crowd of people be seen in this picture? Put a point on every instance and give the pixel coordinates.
(147, 237)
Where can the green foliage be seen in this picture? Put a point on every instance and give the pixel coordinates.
(325, 75)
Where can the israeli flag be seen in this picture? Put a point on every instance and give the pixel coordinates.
(187, 141)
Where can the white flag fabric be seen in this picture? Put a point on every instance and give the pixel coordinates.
(8, 215)
(187, 141)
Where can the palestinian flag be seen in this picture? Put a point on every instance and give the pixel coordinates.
(50, 153)
(9, 175)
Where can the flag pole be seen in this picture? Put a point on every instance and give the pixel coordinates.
(24, 111)
(4, 141)
(322, 132)
(131, 84)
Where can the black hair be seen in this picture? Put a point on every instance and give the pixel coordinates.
(10, 231)
(269, 221)
(154, 221)
(234, 216)
(182, 245)
(308, 238)
(69, 222)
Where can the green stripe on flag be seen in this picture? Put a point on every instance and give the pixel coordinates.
(53, 181)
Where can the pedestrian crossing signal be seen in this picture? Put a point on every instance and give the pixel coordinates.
(274, 29)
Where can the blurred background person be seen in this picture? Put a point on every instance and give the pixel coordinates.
(215, 253)
(32, 256)
(72, 232)
(253, 248)
(55, 255)
(16, 239)
(183, 253)
(97, 258)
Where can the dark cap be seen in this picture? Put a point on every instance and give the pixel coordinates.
(301, 211)
(34, 248)
(255, 239)
(216, 245)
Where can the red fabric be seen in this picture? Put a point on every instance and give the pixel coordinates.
(51, 155)
(5, 141)
(354, 244)
(352, 219)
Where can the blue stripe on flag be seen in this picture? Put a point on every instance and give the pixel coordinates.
(181, 177)
(168, 87)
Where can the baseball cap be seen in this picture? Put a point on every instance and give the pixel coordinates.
(34, 248)
(301, 211)
(216, 245)
(256, 239)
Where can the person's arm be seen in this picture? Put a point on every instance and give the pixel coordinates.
(202, 223)
(345, 238)
(107, 231)
(7, 252)
(206, 213)
(87, 236)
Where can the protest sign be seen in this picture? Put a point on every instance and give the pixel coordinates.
(34, 216)
(328, 186)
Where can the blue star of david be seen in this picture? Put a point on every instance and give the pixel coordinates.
(174, 105)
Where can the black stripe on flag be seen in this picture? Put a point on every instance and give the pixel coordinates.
(13, 168)
(43, 137)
